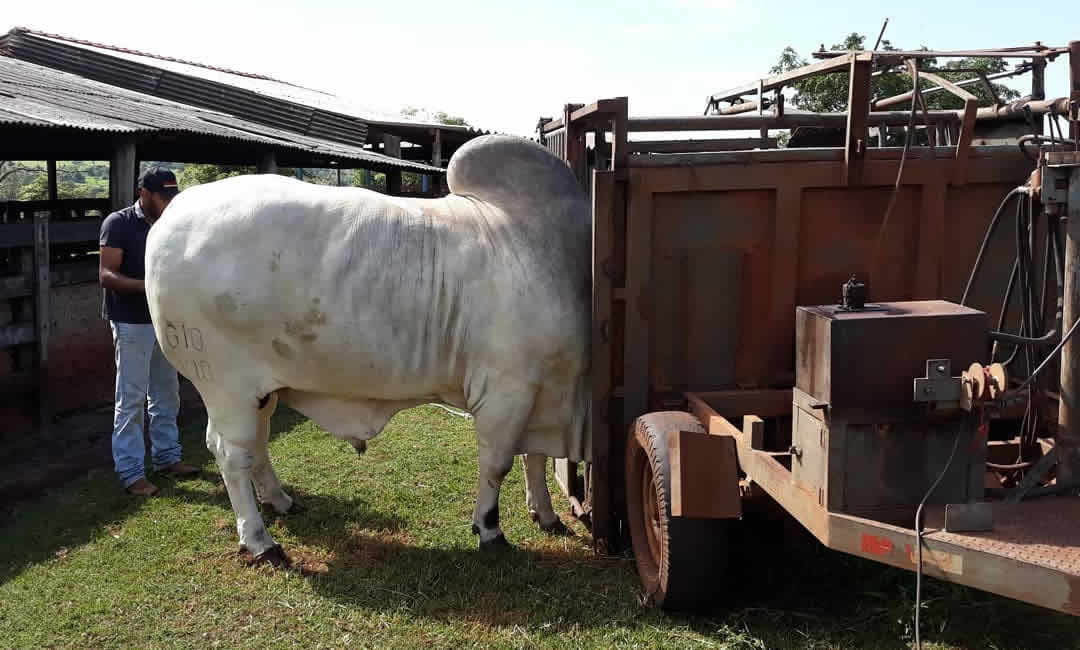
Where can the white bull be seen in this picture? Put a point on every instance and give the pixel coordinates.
(349, 305)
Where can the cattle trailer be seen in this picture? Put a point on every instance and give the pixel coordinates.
(853, 334)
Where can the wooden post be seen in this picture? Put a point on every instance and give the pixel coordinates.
(392, 147)
(437, 180)
(267, 162)
(393, 182)
(436, 148)
(122, 172)
(1068, 440)
(53, 193)
(41, 315)
(858, 114)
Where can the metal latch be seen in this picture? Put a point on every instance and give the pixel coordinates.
(938, 385)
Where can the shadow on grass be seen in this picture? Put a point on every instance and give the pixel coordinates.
(43, 528)
(792, 593)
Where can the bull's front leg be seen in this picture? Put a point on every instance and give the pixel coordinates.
(232, 443)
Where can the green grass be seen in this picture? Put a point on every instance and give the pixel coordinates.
(387, 560)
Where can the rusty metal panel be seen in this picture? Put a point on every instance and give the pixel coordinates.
(704, 476)
(871, 357)
(839, 233)
(809, 462)
(890, 464)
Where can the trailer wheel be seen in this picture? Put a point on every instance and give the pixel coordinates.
(682, 562)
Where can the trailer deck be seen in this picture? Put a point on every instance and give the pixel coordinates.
(1032, 553)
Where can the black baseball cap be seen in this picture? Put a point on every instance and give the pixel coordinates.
(160, 180)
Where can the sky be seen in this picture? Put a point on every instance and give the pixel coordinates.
(503, 64)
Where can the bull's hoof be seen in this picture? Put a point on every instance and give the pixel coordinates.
(274, 556)
(498, 543)
(557, 527)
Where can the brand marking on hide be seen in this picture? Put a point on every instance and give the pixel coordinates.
(181, 337)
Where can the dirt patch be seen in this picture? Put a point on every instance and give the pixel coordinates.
(79, 442)
(367, 549)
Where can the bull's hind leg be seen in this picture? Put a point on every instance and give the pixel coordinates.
(267, 485)
(232, 434)
(537, 496)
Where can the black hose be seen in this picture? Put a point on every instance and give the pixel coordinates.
(1016, 349)
(1004, 312)
(1013, 339)
(1056, 351)
(1008, 468)
(919, 533)
(1024, 139)
(986, 241)
(1024, 264)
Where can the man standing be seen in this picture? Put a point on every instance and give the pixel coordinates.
(142, 372)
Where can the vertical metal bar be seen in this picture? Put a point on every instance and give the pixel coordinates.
(600, 484)
(858, 114)
(1074, 93)
(785, 280)
(620, 150)
(1068, 440)
(1038, 78)
(763, 132)
(42, 318)
(639, 301)
(963, 143)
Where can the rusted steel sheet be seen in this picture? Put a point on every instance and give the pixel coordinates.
(1032, 555)
(704, 476)
(727, 247)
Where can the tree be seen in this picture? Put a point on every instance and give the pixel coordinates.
(829, 92)
(440, 117)
(197, 174)
(75, 179)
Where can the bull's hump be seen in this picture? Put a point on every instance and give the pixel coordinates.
(510, 172)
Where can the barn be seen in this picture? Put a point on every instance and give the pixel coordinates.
(66, 99)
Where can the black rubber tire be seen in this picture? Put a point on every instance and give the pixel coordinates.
(685, 566)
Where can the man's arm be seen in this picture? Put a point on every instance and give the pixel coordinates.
(109, 272)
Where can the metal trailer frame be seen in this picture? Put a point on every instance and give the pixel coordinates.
(681, 227)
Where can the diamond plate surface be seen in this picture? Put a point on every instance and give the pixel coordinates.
(1044, 532)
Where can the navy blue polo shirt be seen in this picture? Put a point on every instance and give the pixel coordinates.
(126, 229)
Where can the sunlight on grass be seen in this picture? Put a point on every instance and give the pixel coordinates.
(385, 558)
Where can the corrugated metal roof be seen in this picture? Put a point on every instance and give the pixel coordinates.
(174, 78)
(39, 96)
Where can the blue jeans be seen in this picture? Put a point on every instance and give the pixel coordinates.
(143, 372)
